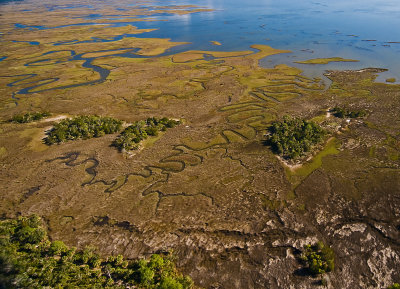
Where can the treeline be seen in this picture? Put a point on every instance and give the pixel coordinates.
(84, 127)
(30, 117)
(343, 112)
(292, 137)
(130, 138)
(29, 260)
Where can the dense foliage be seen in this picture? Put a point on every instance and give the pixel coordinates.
(394, 286)
(346, 113)
(82, 127)
(29, 117)
(130, 138)
(29, 260)
(292, 137)
(319, 258)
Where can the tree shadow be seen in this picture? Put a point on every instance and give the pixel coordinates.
(302, 272)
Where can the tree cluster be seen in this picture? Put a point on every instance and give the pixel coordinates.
(30, 117)
(84, 127)
(346, 113)
(29, 260)
(319, 258)
(292, 137)
(130, 138)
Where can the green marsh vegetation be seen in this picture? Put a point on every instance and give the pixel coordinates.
(28, 259)
(82, 127)
(319, 258)
(130, 138)
(293, 137)
(29, 117)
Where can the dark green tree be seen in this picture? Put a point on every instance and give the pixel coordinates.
(131, 136)
(293, 137)
(83, 127)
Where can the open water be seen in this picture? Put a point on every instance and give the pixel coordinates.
(367, 30)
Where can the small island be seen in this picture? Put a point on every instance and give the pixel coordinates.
(325, 60)
(82, 127)
(292, 137)
(216, 43)
(130, 138)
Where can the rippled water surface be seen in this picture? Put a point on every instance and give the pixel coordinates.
(363, 30)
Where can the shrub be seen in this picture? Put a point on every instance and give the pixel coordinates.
(27, 234)
(30, 117)
(292, 137)
(394, 286)
(130, 138)
(170, 283)
(58, 248)
(319, 258)
(346, 113)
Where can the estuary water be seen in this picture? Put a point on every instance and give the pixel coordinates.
(367, 31)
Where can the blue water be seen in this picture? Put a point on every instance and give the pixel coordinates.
(30, 42)
(363, 30)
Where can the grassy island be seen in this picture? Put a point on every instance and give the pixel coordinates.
(319, 258)
(325, 60)
(84, 127)
(30, 117)
(293, 137)
(29, 260)
(130, 138)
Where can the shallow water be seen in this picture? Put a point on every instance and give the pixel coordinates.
(362, 30)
